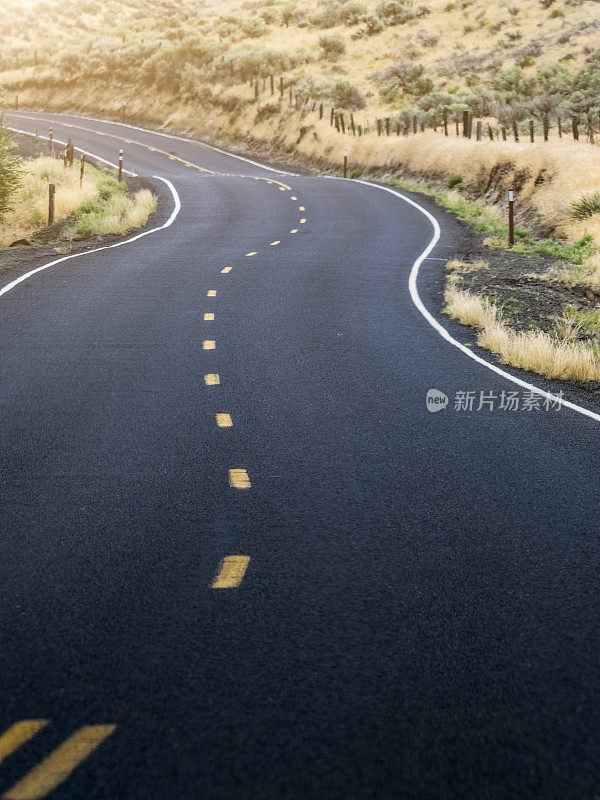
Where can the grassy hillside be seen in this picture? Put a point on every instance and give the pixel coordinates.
(204, 66)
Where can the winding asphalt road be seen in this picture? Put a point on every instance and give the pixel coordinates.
(295, 582)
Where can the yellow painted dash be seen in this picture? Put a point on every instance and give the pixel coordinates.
(212, 379)
(226, 269)
(281, 189)
(253, 253)
(238, 479)
(224, 420)
(294, 230)
(57, 767)
(293, 197)
(277, 241)
(231, 573)
(211, 293)
(208, 344)
(209, 316)
(301, 208)
(18, 734)
(302, 221)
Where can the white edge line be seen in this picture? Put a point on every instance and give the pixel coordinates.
(167, 224)
(160, 133)
(416, 298)
(79, 150)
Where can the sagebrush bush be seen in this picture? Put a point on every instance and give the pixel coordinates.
(345, 95)
(332, 45)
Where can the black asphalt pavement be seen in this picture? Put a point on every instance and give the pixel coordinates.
(419, 616)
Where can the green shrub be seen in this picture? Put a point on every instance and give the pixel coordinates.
(455, 180)
(89, 207)
(586, 206)
(356, 172)
(10, 170)
(109, 186)
(345, 95)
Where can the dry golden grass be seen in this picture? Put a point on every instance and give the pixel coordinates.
(117, 213)
(535, 351)
(30, 202)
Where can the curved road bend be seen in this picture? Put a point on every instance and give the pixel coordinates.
(418, 617)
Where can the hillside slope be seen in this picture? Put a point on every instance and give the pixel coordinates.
(205, 66)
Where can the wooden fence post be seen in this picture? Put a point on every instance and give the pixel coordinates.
(445, 122)
(575, 129)
(51, 193)
(479, 129)
(531, 131)
(387, 126)
(466, 124)
(81, 170)
(515, 131)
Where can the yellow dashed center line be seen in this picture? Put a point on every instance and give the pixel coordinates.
(224, 420)
(212, 379)
(294, 230)
(18, 734)
(225, 270)
(302, 221)
(54, 769)
(277, 241)
(301, 208)
(209, 316)
(208, 344)
(238, 479)
(293, 197)
(253, 253)
(231, 573)
(211, 293)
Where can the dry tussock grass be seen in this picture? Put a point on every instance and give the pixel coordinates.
(30, 202)
(534, 351)
(119, 213)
